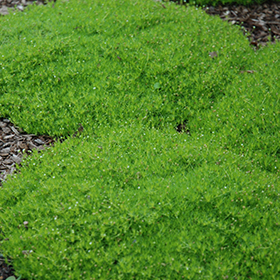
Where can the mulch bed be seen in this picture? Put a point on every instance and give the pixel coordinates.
(261, 26)
(261, 23)
(14, 143)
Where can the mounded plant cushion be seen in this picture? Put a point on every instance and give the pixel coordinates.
(131, 197)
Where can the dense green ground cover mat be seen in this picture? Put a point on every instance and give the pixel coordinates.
(131, 197)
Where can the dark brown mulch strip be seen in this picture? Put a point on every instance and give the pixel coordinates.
(261, 22)
(13, 143)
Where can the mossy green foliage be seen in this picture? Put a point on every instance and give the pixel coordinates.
(131, 197)
(133, 202)
(76, 62)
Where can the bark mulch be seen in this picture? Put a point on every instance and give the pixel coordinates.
(261, 26)
(261, 23)
(14, 143)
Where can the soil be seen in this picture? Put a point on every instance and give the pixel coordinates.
(261, 25)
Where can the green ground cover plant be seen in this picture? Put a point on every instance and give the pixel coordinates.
(131, 198)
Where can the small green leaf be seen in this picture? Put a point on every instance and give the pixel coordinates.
(11, 278)
(156, 85)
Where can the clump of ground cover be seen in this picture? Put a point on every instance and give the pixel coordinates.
(132, 197)
(247, 119)
(142, 203)
(79, 60)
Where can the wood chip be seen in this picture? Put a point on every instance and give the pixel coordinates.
(39, 141)
(14, 130)
(2, 124)
(5, 151)
(16, 159)
(8, 136)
